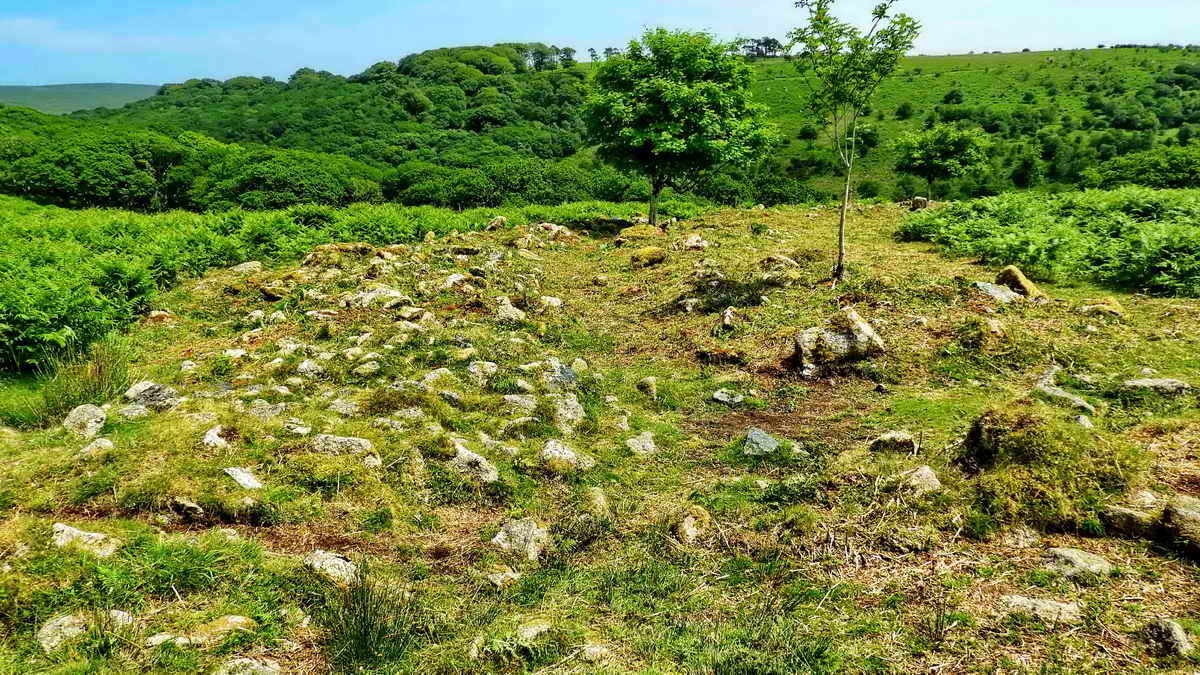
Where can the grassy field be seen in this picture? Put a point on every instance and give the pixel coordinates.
(59, 99)
(999, 81)
(696, 557)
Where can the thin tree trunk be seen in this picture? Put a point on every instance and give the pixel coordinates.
(839, 270)
(655, 191)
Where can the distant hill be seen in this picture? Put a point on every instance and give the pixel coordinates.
(59, 99)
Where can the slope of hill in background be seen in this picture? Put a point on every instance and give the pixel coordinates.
(58, 99)
(1058, 112)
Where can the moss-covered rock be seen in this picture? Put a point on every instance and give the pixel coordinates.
(639, 233)
(1015, 279)
(649, 256)
(1032, 466)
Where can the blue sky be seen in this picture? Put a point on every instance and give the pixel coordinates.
(155, 41)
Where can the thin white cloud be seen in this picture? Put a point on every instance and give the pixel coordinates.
(50, 34)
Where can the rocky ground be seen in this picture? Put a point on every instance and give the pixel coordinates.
(531, 449)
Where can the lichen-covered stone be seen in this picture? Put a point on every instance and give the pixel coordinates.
(1014, 278)
(847, 338)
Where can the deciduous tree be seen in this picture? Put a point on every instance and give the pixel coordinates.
(673, 106)
(844, 66)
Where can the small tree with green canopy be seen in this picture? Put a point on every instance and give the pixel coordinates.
(674, 106)
(941, 152)
(843, 67)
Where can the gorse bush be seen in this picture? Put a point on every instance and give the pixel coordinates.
(1133, 238)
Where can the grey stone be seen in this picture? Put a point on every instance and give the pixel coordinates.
(252, 267)
(343, 407)
(368, 369)
(213, 438)
(473, 464)
(730, 398)
(96, 447)
(642, 444)
(333, 567)
(85, 421)
(506, 313)
(848, 338)
(154, 396)
(134, 412)
(1002, 294)
(482, 371)
(523, 538)
(310, 368)
(337, 445)
(1127, 522)
(921, 480)
(62, 629)
(521, 402)
(648, 386)
(1074, 563)
(1047, 387)
(1181, 523)
(244, 478)
(99, 545)
(1049, 611)
(1168, 638)
(895, 441)
(568, 412)
(562, 459)
(1164, 386)
(759, 443)
(247, 666)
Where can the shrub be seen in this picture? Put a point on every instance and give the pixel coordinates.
(1029, 466)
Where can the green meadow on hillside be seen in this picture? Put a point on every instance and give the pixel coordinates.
(60, 99)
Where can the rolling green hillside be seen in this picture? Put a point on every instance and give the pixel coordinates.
(1051, 115)
(60, 99)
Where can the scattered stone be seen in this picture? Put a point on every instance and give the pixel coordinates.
(695, 243)
(1085, 422)
(693, 525)
(243, 477)
(338, 445)
(532, 631)
(266, 411)
(522, 537)
(473, 464)
(215, 631)
(482, 371)
(729, 319)
(895, 441)
(568, 412)
(85, 421)
(1168, 638)
(1181, 522)
(729, 398)
(1021, 536)
(1127, 522)
(160, 639)
(847, 338)
(521, 402)
(642, 444)
(559, 458)
(99, 545)
(187, 508)
(134, 412)
(639, 232)
(1002, 294)
(343, 407)
(648, 386)
(1074, 563)
(506, 313)
(1046, 387)
(154, 396)
(559, 376)
(1049, 611)
(310, 368)
(1015, 279)
(649, 256)
(62, 629)
(252, 267)
(921, 480)
(1163, 386)
(368, 369)
(1107, 306)
(759, 443)
(248, 666)
(333, 567)
(96, 447)
(507, 577)
(594, 653)
(213, 439)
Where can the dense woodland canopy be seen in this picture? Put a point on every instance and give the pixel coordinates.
(502, 125)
